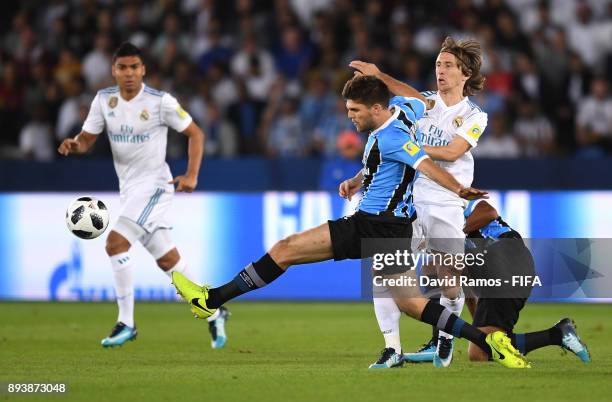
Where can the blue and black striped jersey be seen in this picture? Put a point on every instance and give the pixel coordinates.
(496, 229)
(391, 156)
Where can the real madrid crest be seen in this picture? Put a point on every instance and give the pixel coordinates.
(112, 102)
(458, 121)
(144, 115)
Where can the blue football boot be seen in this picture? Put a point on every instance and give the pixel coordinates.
(389, 358)
(425, 354)
(120, 334)
(444, 352)
(217, 329)
(571, 341)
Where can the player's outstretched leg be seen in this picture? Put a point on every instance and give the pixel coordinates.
(563, 333)
(205, 301)
(497, 343)
(312, 245)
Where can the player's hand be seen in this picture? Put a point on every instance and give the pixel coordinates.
(348, 188)
(365, 68)
(185, 183)
(469, 193)
(68, 146)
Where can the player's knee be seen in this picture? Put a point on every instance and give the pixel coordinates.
(284, 251)
(409, 306)
(475, 354)
(451, 293)
(116, 244)
(169, 260)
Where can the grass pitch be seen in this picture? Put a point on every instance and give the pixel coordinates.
(280, 352)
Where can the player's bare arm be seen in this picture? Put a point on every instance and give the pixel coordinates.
(446, 180)
(395, 86)
(189, 180)
(448, 153)
(349, 187)
(482, 215)
(77, 145)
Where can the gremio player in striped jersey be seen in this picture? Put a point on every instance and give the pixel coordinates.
(506, 255)
(391, 158)
(136, 118)
(450, 127)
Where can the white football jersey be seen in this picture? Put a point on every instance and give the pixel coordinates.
(439, 126)
(138, 131)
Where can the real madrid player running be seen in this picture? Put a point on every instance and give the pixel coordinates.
(450, 127)
(391, 159)
(137, 118)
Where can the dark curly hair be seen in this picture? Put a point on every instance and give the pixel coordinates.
(366, 89)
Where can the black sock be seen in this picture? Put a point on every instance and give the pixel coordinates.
(434, 331)
(443, 319)
(254, 276)
(525, 343)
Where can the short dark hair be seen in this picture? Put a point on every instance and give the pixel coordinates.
(366, 89)
(127, 49)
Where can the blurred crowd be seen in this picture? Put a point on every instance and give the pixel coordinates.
(263, 77)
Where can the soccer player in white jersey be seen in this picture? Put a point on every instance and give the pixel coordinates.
(450, 127)
(136, 118)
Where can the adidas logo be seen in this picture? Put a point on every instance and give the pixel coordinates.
(111, 114)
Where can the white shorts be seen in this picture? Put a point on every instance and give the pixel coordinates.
(147, 206)
(158, 243)
(441, 227)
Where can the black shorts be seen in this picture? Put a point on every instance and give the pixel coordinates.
(347, 233)
(502, 313)
(500, 307)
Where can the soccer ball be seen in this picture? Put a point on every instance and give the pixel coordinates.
(87, 217)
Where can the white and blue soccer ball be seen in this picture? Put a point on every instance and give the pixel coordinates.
(87, 217)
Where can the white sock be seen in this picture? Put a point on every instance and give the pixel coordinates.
(455, 306)
(182, 267)
(388, 316)
(214, 316)
(124, 287)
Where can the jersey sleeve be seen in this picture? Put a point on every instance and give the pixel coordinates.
(94, 123)
(473, 127)
(469, 208)
(413, 107)
(398, 146)
(173, 115)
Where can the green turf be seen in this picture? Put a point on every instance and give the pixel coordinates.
(280, 352)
